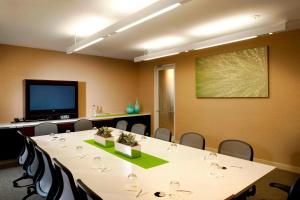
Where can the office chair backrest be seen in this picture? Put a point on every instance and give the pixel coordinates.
(82, 125)
(24, 154)
(138, 129)
(85, 192)
(163, 134)
(122, 125)
(193, 139)
(236, 148)
(34, 165)
(294, 193)
(46, 180)
(67, 188)
(45, 128)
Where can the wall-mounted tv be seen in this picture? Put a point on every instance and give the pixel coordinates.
(47, 100)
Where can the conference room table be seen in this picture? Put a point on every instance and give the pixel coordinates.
(188, 167)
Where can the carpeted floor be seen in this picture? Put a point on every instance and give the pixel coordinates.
(264, 192)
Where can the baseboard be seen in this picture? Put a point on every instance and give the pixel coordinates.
(8, 163)
(282, 166)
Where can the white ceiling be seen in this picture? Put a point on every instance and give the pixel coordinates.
(51, 24)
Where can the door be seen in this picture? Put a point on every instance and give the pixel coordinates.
(165, 94)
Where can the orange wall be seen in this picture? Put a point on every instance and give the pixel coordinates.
(110, 83)
(271, 125)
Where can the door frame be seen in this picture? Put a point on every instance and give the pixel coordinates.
(158, 68)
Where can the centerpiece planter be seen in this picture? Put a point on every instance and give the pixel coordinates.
(128, 146)
(106, 142)
(128, 151)
(104, 137)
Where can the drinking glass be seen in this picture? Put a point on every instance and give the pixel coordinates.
(53, 136)
(174, 186)
(132, 182)
(79, 150)
(62, 142)
(97, 163)
(172, 147)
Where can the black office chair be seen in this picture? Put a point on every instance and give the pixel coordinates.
(122, 125)
(293, 191)
(66, 186)
(45, 128)
(163, 134)
(242, 150)
(24, 159)
(138, 129)
(193, 139)
(86, 193)
(46, 184)
(82, 125)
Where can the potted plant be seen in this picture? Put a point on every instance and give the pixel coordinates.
(103, 136)
(128, 146)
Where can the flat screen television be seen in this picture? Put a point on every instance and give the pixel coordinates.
(47, 100)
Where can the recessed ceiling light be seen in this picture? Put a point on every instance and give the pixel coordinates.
(222, 26)
(161, 43)
(270, 33)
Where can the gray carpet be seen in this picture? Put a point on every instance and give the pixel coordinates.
(7, 191)
(264, 192)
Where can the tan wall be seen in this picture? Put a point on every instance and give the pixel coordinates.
(271, 125)
(110, 83)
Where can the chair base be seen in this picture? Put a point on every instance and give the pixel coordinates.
(24, 176)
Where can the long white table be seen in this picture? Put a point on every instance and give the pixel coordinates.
(186, 165)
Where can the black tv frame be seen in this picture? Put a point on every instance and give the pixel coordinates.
(49, 114)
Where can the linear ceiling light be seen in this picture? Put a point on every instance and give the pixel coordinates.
(89, 44)
(226, 39)
(149, 17)
(139, 17)
(228, 42)
(170, 54)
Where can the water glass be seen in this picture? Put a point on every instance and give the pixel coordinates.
(132, 182)
(97, 163)
(172, 147)
(62, 142)
(79, 150)
(53, 136)
(174, 186)
(211, 157)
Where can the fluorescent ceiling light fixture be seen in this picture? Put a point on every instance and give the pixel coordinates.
(216, 41)
(223, 26)
(162, 42)
(89, 44)
(86, 26)
(129, 7)
(140, 16)
(171, 54)
(227, 42)
(169, 8)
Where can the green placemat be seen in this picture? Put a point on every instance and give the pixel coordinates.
(146, 161)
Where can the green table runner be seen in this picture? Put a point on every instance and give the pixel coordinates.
(146, 161)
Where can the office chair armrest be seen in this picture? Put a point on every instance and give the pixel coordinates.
(280, 186)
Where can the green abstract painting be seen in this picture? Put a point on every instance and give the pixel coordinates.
(241, 73)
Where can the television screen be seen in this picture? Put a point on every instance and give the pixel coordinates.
(52, 97)
(48, 99)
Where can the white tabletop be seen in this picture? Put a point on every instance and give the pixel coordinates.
(186, 165)
(60, 121)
